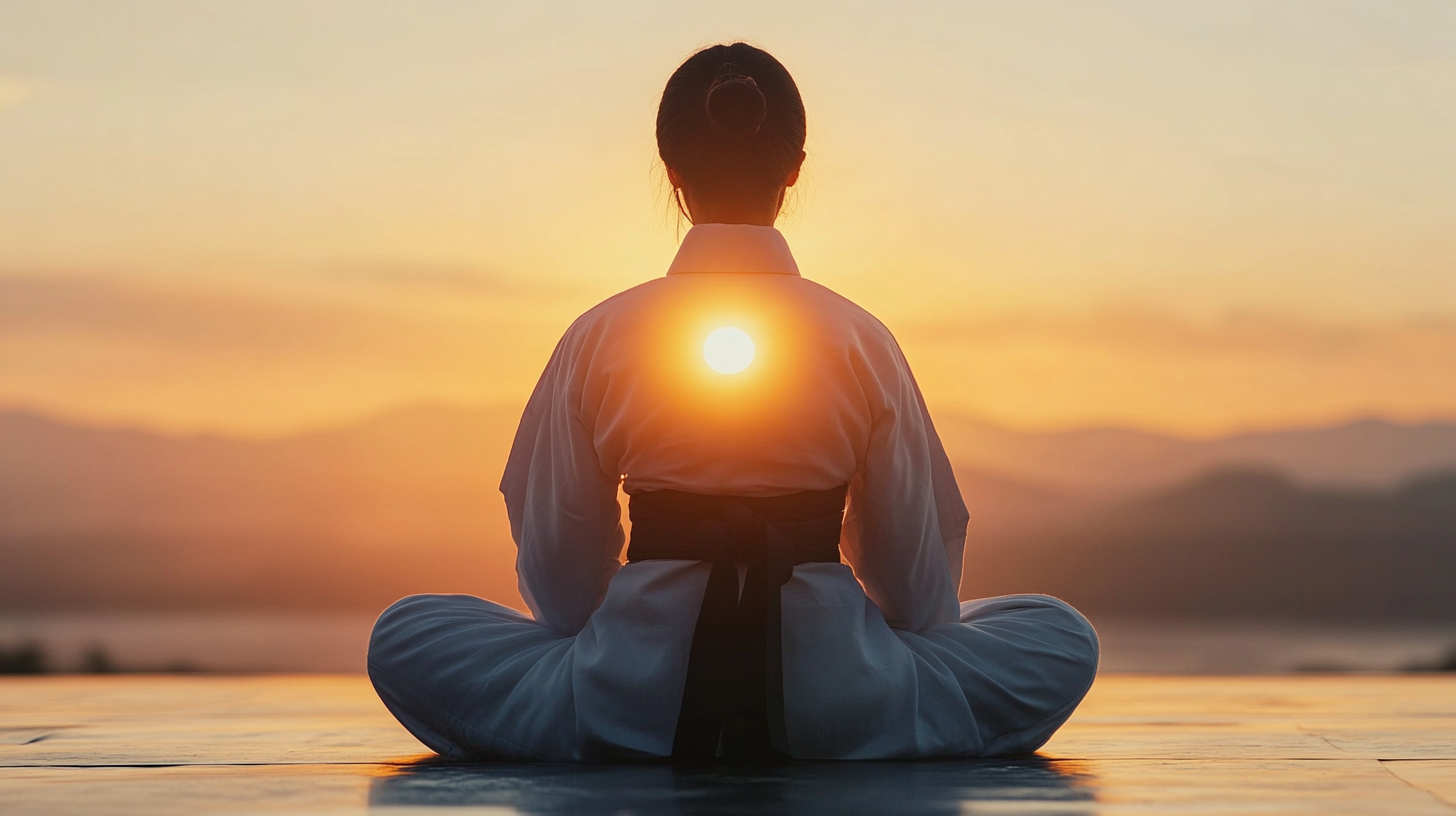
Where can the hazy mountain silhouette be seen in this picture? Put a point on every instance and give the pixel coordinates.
(356, 517)
(1242, 544)
(1372, 454)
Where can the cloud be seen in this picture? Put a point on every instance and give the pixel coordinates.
(115, 310)
(1147, 332)
(195, 320)
(248, 358)
(1152, 369)
(187, 355)
(42, 316)
(438, 279)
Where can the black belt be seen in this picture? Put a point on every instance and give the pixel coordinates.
(733, 698)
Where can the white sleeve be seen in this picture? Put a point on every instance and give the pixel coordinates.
(905, 527)
(562, 506)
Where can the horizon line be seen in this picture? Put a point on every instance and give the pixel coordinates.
(943, 419)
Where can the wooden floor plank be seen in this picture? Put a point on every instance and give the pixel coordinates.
(304, 745)
(1437, 776)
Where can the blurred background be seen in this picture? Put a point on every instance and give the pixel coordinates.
(276, 278)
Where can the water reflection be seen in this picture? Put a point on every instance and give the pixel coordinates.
(912, 789)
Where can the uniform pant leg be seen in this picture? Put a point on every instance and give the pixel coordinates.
(1024, 663)
(473, 679)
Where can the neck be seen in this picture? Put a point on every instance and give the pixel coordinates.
(757, 212)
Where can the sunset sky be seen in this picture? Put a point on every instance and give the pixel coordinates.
(1195, 217)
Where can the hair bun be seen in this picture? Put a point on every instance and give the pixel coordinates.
(736, 106)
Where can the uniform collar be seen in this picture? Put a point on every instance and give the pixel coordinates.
(733, 248)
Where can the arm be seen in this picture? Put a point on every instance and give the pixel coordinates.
(563, 507)
(905, 529)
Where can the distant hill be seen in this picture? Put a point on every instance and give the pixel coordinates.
(1242, 544)
(359, 516)
(355, 517)
(1371, 454)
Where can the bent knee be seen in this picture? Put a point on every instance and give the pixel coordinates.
(424, 622)
(403, 620)
(409, 606)
(1055, 619)
(403, 611)
(1080, 632)
(1061, 612)
(1066, 618)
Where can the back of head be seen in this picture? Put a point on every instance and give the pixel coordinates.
(731, 123)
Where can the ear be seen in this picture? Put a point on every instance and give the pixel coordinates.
(673, 178)
(793, 177)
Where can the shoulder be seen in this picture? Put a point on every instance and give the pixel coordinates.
(835, 317)
(612, 310)
(865, 327)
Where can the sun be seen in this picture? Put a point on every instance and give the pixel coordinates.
(729, 350)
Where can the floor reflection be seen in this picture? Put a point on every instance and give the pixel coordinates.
(912, 789)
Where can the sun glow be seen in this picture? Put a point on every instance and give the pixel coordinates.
(728, 350)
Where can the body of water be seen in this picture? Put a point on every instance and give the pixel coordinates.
(336, 642)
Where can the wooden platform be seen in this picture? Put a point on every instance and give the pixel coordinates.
(324, 745)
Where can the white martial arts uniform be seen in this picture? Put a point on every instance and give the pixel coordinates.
(880, 659)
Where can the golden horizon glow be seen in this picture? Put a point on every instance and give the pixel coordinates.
(729, 350)
(276, 217)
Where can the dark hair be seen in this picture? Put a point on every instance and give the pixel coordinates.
(731, 122)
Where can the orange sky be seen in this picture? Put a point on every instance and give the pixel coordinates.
(1195, 217)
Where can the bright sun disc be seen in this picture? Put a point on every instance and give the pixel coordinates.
(728, 350)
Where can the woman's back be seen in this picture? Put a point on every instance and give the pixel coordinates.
(797, 417)
(827, 401)
(735, 614)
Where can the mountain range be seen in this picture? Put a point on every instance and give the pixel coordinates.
(1346, 521)
(1369, 454)
(1240, 544)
